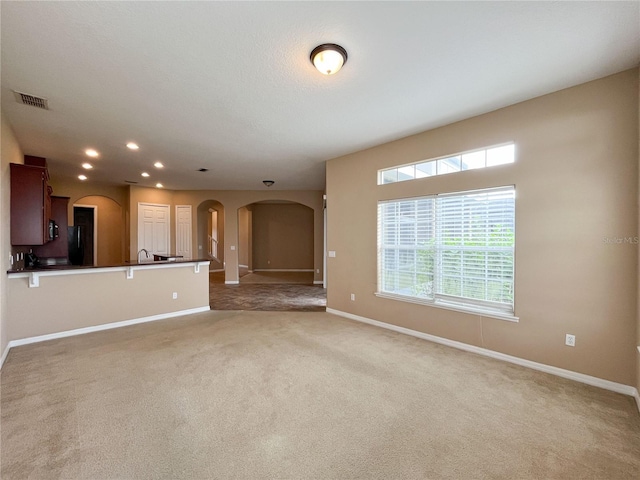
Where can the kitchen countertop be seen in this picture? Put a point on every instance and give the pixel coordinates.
(48, 268)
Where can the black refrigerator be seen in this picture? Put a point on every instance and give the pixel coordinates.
(76, 245)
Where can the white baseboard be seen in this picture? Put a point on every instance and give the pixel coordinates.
(4, 355)
(105, 326)
(216, 270)
(283, 270)
(560, 372)
(231, 282)
(318, 282)
(243, 266)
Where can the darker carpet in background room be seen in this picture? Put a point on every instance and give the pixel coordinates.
(268, 297)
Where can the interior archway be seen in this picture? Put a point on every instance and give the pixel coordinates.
(110, 244)
(210, 233)
(275, 242)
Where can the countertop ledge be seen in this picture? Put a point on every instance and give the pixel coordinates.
(59, 268)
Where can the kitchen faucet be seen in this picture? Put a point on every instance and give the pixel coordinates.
(146, 252)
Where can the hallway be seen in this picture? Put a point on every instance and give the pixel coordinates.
(268, 291)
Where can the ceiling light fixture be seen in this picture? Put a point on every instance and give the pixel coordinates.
(91, 152)
(144, 174)
(87, 166)
(328, 58)
(159, 185)
(158, 165)
(82, 177)
(132, 146)
(268, 183)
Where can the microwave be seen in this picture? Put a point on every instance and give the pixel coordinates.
(53, 231)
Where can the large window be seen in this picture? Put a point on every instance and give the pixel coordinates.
(453, 250)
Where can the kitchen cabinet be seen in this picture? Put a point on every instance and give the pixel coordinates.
(30, 204)
(59, 246)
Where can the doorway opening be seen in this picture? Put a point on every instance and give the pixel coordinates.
(276, 243)
(210, 235)
(84, 235)
(213, 236)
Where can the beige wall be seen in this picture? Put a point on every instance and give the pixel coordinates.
(68, 302)
(576, 179)
(10, 152)
(282, 236)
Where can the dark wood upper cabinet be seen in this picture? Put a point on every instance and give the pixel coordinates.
(59, 246)
(30, 204)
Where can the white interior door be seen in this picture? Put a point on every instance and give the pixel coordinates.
(153, 228)
(183, 231)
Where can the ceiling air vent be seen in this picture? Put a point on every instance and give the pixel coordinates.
(31, 100)
(130, 181)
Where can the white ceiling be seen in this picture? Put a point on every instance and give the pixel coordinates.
(229, 86)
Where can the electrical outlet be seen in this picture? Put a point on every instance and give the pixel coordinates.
(175, 295)
(353, 297)
(317, 270)
(570, 340)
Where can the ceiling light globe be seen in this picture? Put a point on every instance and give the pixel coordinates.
(328, 58)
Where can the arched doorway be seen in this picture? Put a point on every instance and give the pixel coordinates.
(106, 234)
(275, 242)
(210, 234)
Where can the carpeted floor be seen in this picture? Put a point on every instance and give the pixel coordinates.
(298, 395)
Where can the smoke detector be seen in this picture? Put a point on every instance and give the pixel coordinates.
(31, 100)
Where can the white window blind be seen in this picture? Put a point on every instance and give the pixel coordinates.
(455, 249)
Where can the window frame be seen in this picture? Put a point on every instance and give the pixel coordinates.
(439, 162)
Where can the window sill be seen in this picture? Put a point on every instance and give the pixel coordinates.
(455, 308)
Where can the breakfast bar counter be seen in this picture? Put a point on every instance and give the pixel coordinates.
(62, 300)
(34, 273)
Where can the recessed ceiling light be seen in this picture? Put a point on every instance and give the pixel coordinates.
(82, 177)
(159, 185)
(132, 146)
(158, 165)
(91, 152)
(144, 174)
(87, 166)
